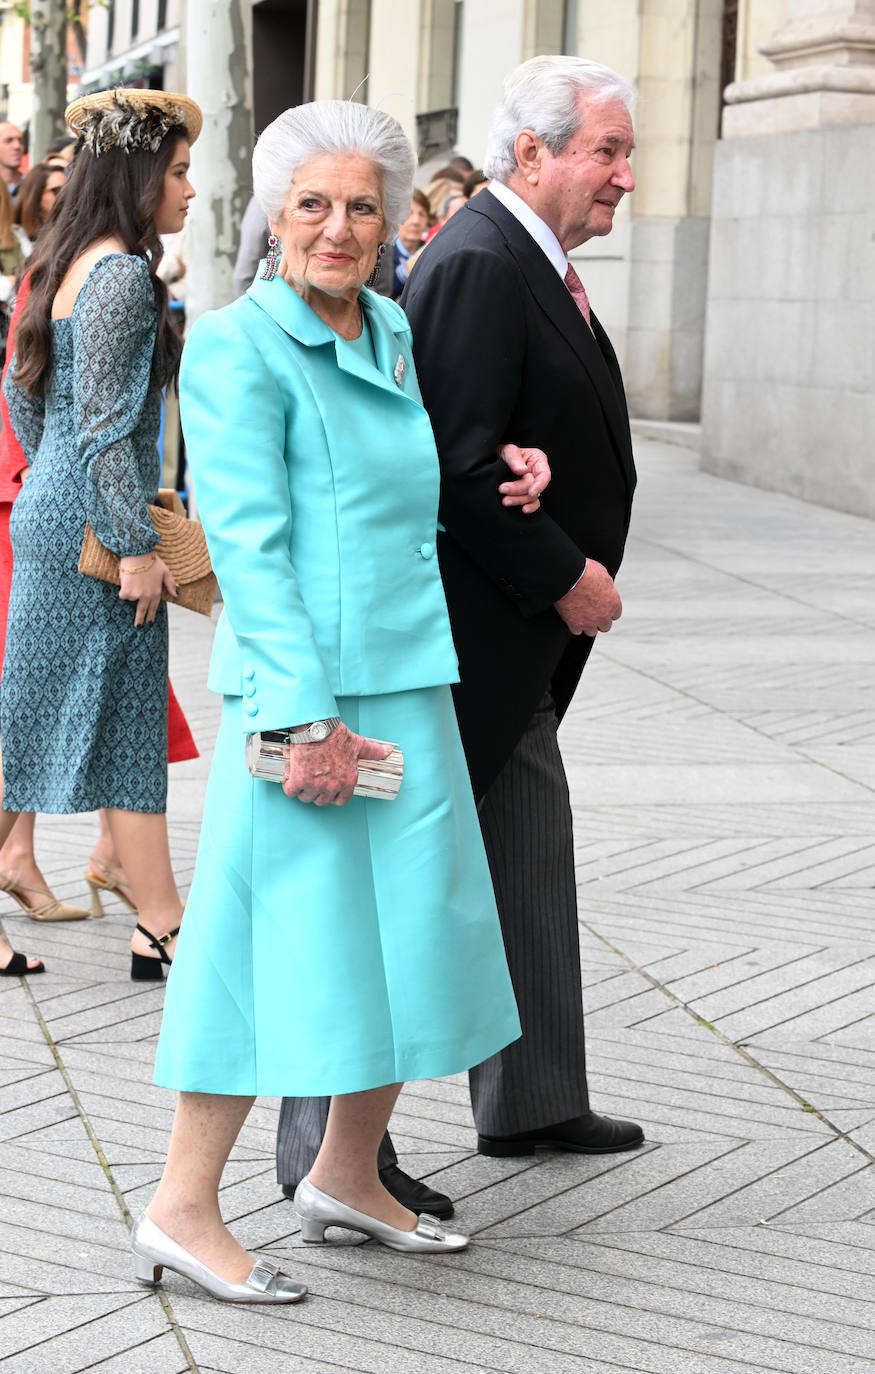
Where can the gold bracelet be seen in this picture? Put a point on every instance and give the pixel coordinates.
(141, 567)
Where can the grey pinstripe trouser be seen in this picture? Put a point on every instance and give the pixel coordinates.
(540, 1079)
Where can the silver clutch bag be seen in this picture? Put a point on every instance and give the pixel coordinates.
(266, 755)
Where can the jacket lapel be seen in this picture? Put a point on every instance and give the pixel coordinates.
(293, 315)
(557, 303)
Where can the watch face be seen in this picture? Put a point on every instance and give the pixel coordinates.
(320, 729)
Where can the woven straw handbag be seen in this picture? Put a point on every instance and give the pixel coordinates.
(182, 546)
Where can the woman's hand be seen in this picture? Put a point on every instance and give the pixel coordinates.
(533, 475)
(326, 773)
(145, 584)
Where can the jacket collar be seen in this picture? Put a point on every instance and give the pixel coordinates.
(297, 318)
(557, 303)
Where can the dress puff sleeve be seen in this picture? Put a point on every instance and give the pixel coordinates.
(114, 323)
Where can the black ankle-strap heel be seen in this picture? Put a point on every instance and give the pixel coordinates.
(145, 969)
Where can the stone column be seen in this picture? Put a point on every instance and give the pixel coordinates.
(676, 128)
(218, 76)
(789, 393)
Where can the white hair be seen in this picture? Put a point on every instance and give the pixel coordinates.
(543, 95)
(334, 127)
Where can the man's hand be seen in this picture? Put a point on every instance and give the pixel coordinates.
(533, 475)
(593, 603)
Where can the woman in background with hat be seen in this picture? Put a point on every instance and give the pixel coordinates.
(83, 713)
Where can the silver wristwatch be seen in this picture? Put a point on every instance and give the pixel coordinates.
(316, 732)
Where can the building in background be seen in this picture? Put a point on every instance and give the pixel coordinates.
(789, 375)
(16, 84)
(134, 43)
(738, 281)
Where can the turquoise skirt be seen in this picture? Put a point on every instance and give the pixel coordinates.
(332, 949)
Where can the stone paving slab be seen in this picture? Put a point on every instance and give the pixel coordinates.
(722, 764)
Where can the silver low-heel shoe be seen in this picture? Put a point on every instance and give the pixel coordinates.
(317, 1211)
(154, 1252)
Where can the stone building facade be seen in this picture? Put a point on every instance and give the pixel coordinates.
(789, 374)
(737, 284)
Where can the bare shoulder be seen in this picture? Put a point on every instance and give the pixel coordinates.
(78, 272)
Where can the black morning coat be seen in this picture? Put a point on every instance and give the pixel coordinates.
(503, 355)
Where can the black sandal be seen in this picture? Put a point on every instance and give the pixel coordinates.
(145, 969)
(18, 967)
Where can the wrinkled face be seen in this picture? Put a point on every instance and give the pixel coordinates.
(332, 224)
(178, 191)
(11, 146)
(55, 181)
(579, 189)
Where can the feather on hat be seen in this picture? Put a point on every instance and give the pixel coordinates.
(132, 119)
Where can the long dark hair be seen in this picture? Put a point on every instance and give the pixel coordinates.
(113, 195)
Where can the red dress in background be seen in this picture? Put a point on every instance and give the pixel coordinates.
(180, 741)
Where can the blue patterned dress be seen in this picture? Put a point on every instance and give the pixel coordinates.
(83, 708)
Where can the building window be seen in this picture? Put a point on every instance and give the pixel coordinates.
(110, 26)
(135, 19)
(570, 27)
(162, 15)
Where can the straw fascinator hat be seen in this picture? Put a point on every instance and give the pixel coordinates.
(132, 119)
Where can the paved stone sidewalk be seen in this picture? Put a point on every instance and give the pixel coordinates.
(722, 760)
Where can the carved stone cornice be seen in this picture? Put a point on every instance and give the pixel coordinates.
(825, 74)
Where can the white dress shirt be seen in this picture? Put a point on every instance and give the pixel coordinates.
(532, 223)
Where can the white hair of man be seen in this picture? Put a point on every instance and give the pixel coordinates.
(543, 95)
(340, 128)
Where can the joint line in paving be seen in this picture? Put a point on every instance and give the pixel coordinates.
(740, 1050)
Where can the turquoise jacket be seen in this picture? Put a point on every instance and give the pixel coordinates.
(316, 477)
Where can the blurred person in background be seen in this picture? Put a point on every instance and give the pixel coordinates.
(411, 236)
(474, 182)
(15, 249)
(36, 197)
(442, 184)
(253, 246)
(11, 156)
(61, 150)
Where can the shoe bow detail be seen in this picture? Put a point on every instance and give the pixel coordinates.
(430, 1228)
(264, 1272)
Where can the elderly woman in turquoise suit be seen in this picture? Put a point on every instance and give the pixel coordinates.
(333, 944)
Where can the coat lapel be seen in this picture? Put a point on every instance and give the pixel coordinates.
(557, 303)
(293, 315)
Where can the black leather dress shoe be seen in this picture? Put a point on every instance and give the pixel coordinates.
(416, 1196)
(589, 1134)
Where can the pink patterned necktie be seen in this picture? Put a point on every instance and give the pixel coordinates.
(578, 291)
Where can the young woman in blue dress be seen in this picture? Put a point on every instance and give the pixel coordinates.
(332, 943)
(83, 708)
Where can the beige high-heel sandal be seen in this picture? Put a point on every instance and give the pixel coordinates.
(49, 910)
(102, 879)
